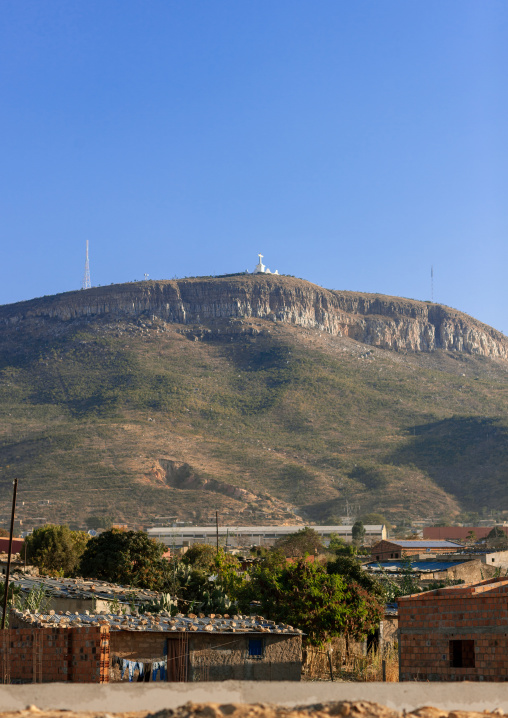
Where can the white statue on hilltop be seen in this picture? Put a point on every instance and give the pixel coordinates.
(261, 269)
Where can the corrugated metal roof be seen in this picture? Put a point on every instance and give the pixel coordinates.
(424, 544)
(416, 565)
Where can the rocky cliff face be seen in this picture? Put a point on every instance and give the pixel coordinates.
(386, 322)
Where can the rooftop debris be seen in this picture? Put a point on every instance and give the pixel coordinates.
(158, 623)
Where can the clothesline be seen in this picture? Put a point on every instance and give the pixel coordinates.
(132, 665)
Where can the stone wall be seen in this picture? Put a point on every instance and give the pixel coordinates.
(213, 657)
(220, 658)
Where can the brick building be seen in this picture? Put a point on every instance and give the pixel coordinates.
(17, 545)
(393, 548)
(458, 633)
(101, 648)
(458, 533)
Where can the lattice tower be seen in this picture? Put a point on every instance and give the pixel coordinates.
(86, 277)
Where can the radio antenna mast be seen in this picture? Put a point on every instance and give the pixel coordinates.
(432, 283)
(86, 277)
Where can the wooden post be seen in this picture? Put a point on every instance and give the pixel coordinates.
(330, 665)
(6, 589)
(383, 664)
(217, 528)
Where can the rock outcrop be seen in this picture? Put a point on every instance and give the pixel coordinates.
(386, 322)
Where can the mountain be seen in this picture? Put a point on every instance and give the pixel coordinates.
(263, 396)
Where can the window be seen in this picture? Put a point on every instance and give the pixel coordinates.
(462, 654)
(255, 648)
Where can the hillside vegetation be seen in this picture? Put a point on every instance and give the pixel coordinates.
(137, 418)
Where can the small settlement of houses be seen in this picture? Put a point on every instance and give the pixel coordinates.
(93, 631)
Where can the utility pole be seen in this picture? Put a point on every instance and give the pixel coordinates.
(217, 528)
(6, 588)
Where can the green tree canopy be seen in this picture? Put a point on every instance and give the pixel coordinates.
(351, 570)
(305, 596)
(496, 533)
(55, 549)
(99, 522)
(358, 532)
(339, 547)
(297, 544)
(126, 557)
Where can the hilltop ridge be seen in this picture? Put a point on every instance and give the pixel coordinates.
(378, 320)
(265, 397)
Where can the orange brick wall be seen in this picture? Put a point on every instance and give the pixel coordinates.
(46, 655)
(427, 625)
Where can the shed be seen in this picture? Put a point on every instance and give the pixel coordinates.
(114, 648)
(395, 548)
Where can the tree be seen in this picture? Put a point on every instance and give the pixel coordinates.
(55, 549)
(405, 585)
(305, 596)
(496, 533)
(4, 533)
(375, 518)
(339, 547)
(296, 545)
(201, 555)
(98, 522)
(497, 538)
(351, 570)
(358, 532)
(126, 557)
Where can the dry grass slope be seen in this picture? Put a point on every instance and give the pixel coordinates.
(94, 409)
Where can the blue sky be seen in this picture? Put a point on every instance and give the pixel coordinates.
(354, 143)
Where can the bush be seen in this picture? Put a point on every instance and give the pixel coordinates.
(55, 549)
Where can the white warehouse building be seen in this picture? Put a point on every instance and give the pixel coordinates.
(245, 536)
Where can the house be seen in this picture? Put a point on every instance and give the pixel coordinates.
(102, 648)
(82, 594)
(457, 633)
(452, 567)
(459, 533)
(393, 548)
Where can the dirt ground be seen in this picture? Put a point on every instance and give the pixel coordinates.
(344, 709)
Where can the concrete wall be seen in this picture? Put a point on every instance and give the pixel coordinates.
(469, 572)
(158, 696)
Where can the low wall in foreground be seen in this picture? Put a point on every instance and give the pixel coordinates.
(156, 696)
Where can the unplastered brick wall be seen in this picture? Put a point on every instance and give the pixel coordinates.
(45, 655)
(455, 634)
